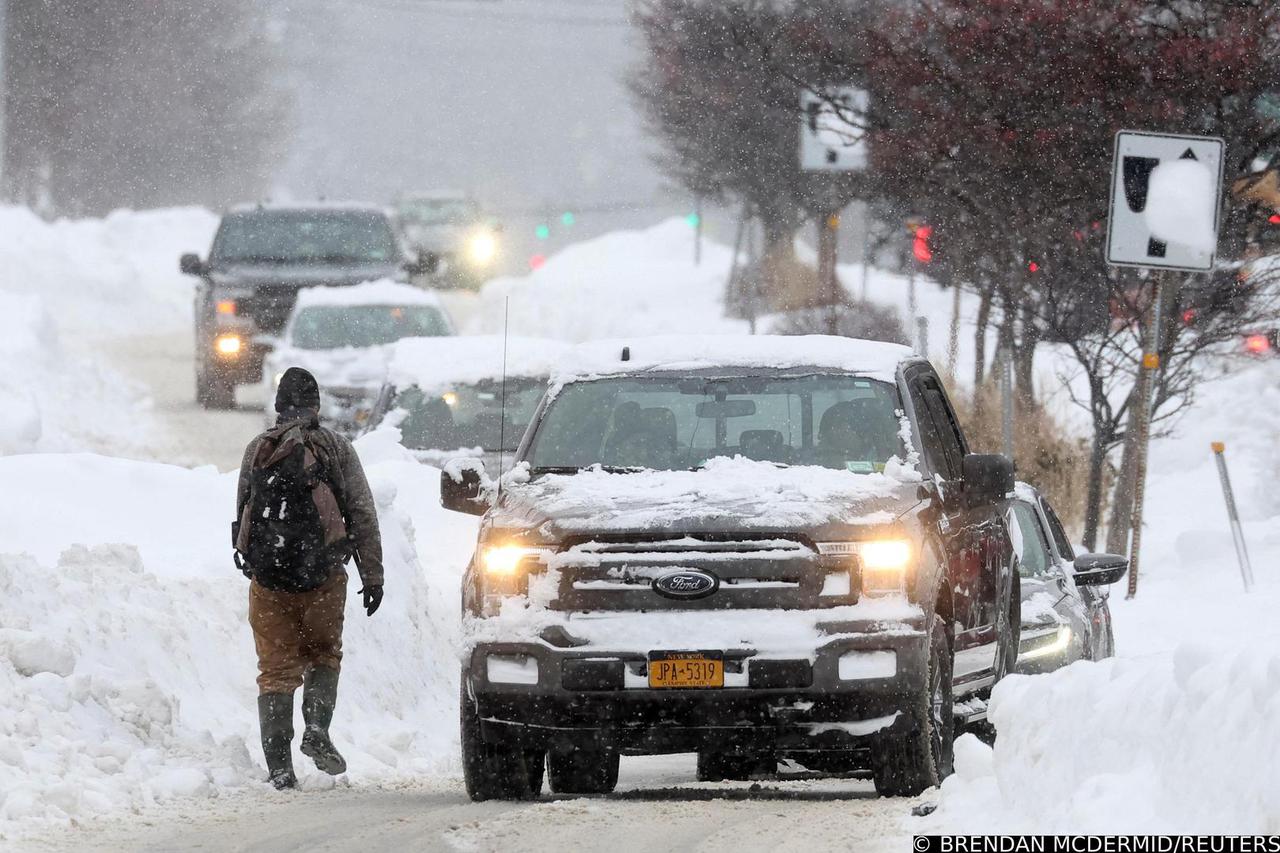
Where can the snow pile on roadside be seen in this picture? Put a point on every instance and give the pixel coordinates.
(1177, 734)
(1185, 745)
(64, 286)
(126, 663)
(106, 276)
(54, 401)
(625, 283)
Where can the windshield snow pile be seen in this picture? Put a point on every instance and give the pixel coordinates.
(384, 291)
(734, 491)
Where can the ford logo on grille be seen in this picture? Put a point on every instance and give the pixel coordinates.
(686, 584)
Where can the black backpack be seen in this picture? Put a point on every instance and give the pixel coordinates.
(291, 535)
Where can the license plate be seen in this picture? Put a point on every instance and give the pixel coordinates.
(686, 669)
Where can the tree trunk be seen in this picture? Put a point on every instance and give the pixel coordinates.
(1024, 353)
(980, 339)
(1121, 516)
(785, 284)
(1093, 493)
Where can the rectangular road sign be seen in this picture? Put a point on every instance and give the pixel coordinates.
(830, 140)
(1174, 227)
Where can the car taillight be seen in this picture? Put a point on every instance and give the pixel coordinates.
(226, 306)
(1257, 344)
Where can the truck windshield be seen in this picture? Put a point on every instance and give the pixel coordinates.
(468, 415)
(438, 211)
(844, 422)
(337, 326)
(304, 237)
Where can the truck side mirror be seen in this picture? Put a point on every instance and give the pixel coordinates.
(426, 264)
(1099, 569)
(462, 487)
(988, 477)
(190, 264)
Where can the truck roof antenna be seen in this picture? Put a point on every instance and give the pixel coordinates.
(502, 423)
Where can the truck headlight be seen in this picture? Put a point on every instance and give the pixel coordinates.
(482, 248)
(505, 560)
(884, 562)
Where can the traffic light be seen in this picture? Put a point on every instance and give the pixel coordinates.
(920, 245)
(692, 220)
(543, 231)
(536, 261)
(567, 219)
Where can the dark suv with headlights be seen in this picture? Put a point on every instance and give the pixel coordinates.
(753, 549)
(261, 257)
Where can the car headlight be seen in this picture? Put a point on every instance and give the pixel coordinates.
(228, 345)
(884, 562)
(1057, 645)
(482, 248)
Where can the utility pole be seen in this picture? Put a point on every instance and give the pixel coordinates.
(4, 94)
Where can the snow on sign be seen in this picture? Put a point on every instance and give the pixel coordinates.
(829, 142)
(1165, 195)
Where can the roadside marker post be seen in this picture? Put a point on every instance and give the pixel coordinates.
(1237, 532)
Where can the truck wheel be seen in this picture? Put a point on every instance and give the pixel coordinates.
(593, 770)
(905, 765)
(213, 392)
(535, 765)
(492, 771)
(732, 766)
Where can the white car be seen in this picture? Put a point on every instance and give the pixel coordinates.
(343, 336)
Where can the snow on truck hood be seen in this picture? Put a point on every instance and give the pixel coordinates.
(725, 494)
(873, 359)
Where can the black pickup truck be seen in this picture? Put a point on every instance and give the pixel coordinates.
(261, 257)
(753, 549)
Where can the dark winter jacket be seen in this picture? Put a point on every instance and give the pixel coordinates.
(346, 477)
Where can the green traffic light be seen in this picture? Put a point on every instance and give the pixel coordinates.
(542, 231)
(693, 219)
(568, 218)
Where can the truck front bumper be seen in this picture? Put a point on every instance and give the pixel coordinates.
(857, 685)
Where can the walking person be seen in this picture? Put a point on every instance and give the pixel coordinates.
(303, 509)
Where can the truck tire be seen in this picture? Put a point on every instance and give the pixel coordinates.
(906, 765)
(1008, 631)
(213, 392)
(591, 770)
(492, 771)
(732, 766)
(535, 765)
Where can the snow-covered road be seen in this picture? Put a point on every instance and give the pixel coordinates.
(656, 808)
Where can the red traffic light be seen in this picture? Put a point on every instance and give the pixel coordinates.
(920, 247)
(536, 261)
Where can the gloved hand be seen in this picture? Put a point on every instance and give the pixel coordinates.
(372, 598)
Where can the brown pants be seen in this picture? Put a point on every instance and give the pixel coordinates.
(294, 631)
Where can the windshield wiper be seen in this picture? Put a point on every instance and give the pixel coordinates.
(573, 469)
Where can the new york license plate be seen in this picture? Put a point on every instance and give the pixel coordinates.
(686, 669)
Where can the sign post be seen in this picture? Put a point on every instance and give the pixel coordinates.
(1165, 199)
(830, 141)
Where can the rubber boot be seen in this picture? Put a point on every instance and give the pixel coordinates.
(319, 695)
(275, 717)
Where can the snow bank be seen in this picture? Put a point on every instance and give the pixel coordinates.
(1182, 745)
(625, 283)
(64, 287)
(109, 276)
(126, 663)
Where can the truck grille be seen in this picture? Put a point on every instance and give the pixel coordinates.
(268, 309)
(618, 574)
